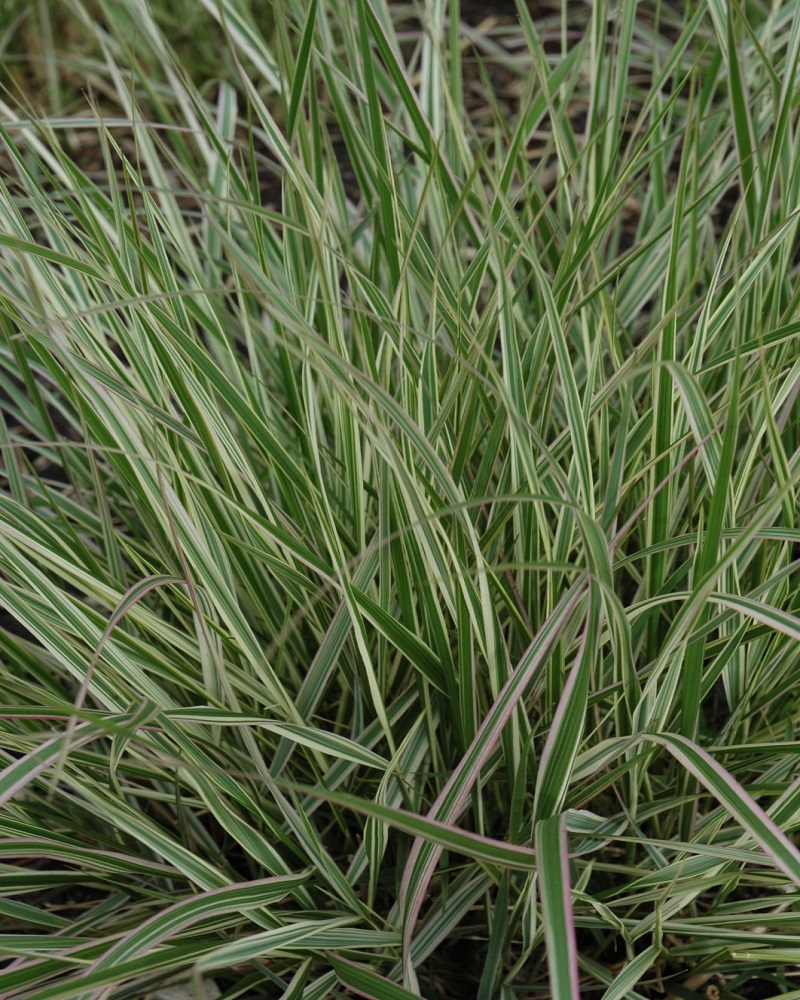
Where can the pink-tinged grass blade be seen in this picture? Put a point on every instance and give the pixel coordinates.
(455, 794)
(182, 915)
(566, 729)
(555, 892)
(19, 774)
(445, 836)
(367, 983)
(727, 790)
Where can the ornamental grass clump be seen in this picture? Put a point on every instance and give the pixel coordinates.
(399, 548)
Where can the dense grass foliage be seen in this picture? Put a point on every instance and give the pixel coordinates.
(398, 532)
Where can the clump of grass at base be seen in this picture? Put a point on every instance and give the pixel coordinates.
(399, 543)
